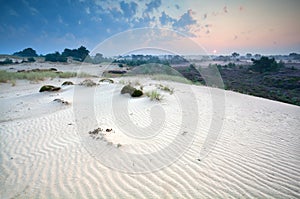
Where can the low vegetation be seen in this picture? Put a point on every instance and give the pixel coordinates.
(132, 91)
(127, 89)
(49, 88)
(154, 95)
(107, 80)
(165, 88)
(66, 83)
(137, 93)
(88, 83)
(37, 75)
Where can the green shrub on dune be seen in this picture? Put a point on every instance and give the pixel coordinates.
(67, 83)
(132, 91)
(49, 88)
(137, 93)
(127, 89)
(107, 80)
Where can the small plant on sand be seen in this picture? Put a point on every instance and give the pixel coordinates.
(13, 82)
(107, 80)
(119, 145)
(88, 83)
(128, 89)
(166, 88)
(67, 83)
(137, 93)
(154, 95)
(49, 88)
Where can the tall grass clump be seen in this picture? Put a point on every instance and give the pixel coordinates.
(36, 76)
(166, 88)
(173, 78)
(154, 95)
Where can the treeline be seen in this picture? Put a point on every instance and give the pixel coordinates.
(77, 54)
(137, 60)
(80, 54)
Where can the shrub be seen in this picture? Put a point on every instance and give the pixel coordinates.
(154, 95)
(166, 88)
(67, 83)
(107, 80)
(137, 93)
(88, 83)
(265, 64)
(49, 88)
(127, 89)
(31, 59)
(6, 61)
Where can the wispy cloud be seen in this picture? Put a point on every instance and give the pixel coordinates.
(185, 21)
(154, 4)
(225, 9)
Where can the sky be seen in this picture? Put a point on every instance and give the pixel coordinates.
(219, 26)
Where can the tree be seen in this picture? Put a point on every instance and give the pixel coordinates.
(265, 64)
(82, 52)
(235, 54)
(55, 57)
(98, 58)
(77, 54)
(27, 52)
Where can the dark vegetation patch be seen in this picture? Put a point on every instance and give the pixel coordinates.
(107, 80)
(127, 89)
(137, 93)
(67, 83)
(88, 83)
(49, 88)
(132, 91)
(283, 85)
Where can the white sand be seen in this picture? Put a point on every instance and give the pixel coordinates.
(46, 151)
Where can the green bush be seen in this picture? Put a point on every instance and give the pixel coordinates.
(88, 83)
(107, 80)
(128, 89)
(67, 83)
(49, 88)
(6, 61)
(154, 95)
(137, 93)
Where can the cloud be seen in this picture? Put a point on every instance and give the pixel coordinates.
(166, 19)
(87, 10)
(225, 9)
(12, 12)
(129, 9)
(185, 20)
(154, 4)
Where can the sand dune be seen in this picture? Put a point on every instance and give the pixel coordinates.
(47, 152)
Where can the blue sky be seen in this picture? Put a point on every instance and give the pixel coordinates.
(221, 26)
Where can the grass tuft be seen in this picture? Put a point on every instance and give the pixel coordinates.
(154, 95)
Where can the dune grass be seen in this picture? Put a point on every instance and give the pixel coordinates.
(154, 95)
(37, 76)
(173, 78)
(165, 88)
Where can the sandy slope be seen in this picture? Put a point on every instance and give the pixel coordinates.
(46, 151)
